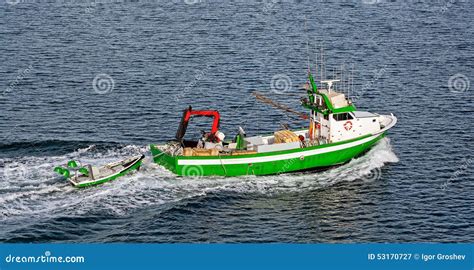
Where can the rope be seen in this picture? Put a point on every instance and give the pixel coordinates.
(162, 153)
(222, 164)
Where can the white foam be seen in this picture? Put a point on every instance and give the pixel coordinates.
(42, 193)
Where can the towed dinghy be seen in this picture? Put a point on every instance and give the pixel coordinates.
(88, 175)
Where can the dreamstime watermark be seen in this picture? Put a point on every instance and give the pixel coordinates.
(371, 2)
(103, 84)
(456, 174)
(369, 84)
(46, 258)
(373, 175)
(192, 2)
(269, 58)
(12, 86)
(287, 165)
(459, 83)
(12, 2)
(198, 76)
(269, 5)
(280, 83)
(90, 19)
(447, 6)
(90, 7)
(194, 171)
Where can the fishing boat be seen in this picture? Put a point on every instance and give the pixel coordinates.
(337, 132)
(88, 175)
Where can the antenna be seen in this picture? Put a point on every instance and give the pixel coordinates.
(344, 78)
(324, 65)
(316, 63)
(352, 78)
(322, 61)
(307, 41)
(342, 81)
(329, 83)
(334, 76)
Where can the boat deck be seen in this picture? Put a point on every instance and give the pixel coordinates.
(108, 170)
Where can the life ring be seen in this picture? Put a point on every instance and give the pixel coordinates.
(348, 125)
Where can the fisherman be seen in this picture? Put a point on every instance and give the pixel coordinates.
(209, 141)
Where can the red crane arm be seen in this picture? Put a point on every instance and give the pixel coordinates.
(207, 113)
(199, 113)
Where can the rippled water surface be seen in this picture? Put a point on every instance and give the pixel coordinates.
(154, 58)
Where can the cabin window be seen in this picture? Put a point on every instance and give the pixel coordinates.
(326, 117)
(342, 116)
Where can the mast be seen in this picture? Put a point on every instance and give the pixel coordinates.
(312, 89)
(352, 79)
(316, 63)
(322, 63)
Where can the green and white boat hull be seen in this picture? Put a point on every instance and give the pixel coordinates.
(278, 162)
(337, 132)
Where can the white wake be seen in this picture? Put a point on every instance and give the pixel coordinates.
(29, 188)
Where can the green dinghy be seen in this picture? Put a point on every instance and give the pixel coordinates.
(88, 175)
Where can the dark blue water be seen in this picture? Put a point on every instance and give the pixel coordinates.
(149, 60)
